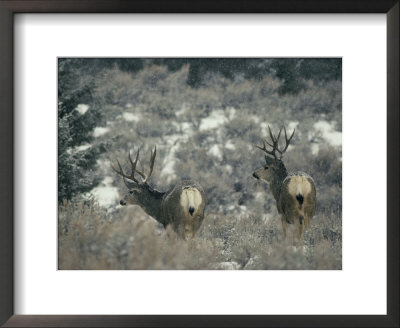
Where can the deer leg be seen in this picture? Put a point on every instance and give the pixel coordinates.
(308, 221)
(300, 233)
(284, 227)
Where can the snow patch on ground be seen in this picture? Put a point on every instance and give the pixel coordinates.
(275, 130)
(187, 127)
(254, 118)
(236, 209)
(264, 129)
(173, 139)
(266, 217)
(99, 131)
(82, 108)
(230, 145)
(82, 147)
(105, 193)
(169, 162)
(259, 196)
(104, 164)
(226, 266)
(182, 111)
(229, 169)
(291, 126)
(216, 152)
(314, 148)
(243, 209)
(168, 170)
(231, 113)
(329, 133)
(214, 120)
(128, 105)
(184, 127)
(130, 117)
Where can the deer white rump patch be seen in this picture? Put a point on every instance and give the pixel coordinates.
(299, 185)
(191, 197)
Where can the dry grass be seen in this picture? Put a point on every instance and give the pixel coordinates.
(129, 239)
(92, 238)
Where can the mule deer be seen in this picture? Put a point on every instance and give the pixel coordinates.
(182, 206)
(294, 193)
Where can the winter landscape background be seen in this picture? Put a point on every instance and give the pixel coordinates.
(204, 116)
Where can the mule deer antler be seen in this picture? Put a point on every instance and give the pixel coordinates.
(134, 169)
(152, 159)
(275, 143)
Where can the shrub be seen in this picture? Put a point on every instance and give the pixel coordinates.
(76, 165)
(242, 229)
(90, 239)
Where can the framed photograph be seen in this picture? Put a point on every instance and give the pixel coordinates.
(188, 204)
(211, 164)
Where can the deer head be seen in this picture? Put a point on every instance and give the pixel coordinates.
(274, 167)
(139, 190)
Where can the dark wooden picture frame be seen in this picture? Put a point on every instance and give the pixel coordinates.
(10, 7)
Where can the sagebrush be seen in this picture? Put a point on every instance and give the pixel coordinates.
(206, 133)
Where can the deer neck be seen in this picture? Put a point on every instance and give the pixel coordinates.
(277, 182)
(150, 201)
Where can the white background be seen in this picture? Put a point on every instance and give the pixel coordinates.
(360, 288)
